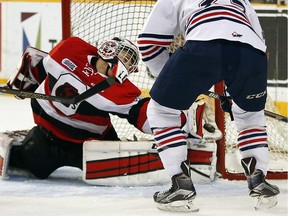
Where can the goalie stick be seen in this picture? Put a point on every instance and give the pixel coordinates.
(267, 113)
(72, 100)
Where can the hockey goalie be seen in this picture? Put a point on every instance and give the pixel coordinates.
(82, 135)
(133, 163)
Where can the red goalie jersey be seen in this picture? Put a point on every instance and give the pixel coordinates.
(69, 70)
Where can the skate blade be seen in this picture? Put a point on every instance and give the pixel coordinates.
(266, 203)
(178, 206)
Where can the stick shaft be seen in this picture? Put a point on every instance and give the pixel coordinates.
(267, 113)
(90, 92)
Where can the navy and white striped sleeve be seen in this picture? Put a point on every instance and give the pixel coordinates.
(153, 48)
(157, 34)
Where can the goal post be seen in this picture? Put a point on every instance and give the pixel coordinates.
(66, 21)
(98, 20)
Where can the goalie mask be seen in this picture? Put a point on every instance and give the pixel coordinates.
(120, 49)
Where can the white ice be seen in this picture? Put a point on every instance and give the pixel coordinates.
(64, 193)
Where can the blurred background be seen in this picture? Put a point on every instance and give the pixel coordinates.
(39, 24)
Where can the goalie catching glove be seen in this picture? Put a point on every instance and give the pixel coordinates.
(21, 80)
(122, 57)
(23, 77)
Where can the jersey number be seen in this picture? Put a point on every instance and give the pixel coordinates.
(237, 3)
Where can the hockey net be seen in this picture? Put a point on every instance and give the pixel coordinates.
(98, 20)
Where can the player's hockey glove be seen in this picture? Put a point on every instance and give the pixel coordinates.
(226, 106)
(22, 79)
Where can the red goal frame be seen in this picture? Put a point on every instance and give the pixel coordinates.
(221, 149)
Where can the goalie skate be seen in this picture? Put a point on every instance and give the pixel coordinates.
(180, 197)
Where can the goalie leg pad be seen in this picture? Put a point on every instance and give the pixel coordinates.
(137, 163)
(5, 147)
(122, 163)
(203, 159)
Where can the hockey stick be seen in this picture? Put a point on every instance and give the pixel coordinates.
(266, 112)
(276, 116)
(72, 100)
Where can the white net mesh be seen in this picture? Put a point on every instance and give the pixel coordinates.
(97, 21)
(277, 139)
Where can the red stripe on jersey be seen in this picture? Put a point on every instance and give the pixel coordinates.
(251, 131)
(58, 133)
(150, 51)
(251, 141)
(97, 120)
(40, 121)
(165, 130)
(148, 42)
(219, 13)
(177, 138)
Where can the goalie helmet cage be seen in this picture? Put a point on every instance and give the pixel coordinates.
(98, 20)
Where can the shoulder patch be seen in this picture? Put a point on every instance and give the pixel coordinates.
(69, 64)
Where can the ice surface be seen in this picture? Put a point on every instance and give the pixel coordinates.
(64, 193)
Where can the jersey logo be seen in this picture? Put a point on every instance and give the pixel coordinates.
(235, 34)
(256, 96)
(67, 91)
(69, 64)
(88, 71)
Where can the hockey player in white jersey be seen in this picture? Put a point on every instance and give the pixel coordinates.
(224, 42)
